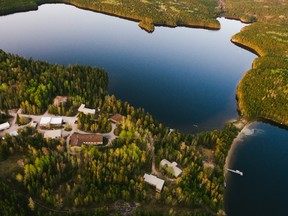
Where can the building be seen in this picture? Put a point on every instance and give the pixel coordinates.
(154, 181)
(56, 122)
(60, 101)
(86, 110)
(33, 124)
(45, 122)
(171, 166)
(14, 133)
(52, 134)
(48, 121)
(118, 118)
(4, 126)
(88, 139)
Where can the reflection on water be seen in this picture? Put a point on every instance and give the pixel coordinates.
(263, 158)
(183, 77)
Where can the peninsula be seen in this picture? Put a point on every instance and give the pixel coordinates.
(46, 175)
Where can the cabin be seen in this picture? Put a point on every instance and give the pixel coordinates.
(47, 122)
(171, 166)
(52, 134)
(60, 101)
(86, 111)
(154, 181)
(56, 122)
(87, 139)
(4, 126)
(118, 118)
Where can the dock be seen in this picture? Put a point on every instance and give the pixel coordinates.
(235, 171)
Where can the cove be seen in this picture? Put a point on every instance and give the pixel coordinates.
(262, 157)
(186, 78)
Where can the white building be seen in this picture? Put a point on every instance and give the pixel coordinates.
(48, 121)
(173, 166)
(14, 133)
(4, 126)
(45, 121)
(52, 134)
(86, 110)
(153, 180)
(56, 121)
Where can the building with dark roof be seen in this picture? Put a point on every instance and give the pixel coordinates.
(118, 118)
(88, 139)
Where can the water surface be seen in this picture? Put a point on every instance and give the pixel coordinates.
(263, 189)
(186, 78)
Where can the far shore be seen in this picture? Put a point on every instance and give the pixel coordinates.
(208, 26)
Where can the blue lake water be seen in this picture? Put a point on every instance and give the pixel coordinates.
(184, 77)
(263, 189)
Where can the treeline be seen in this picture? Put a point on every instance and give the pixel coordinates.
(101, 175)
(69, 108)
(264, 11)
(94, 123)
(266, 39)
(32, 85)
(168, 13)
(4, 117)
(12, 202)
(263, 91)
(198, 186)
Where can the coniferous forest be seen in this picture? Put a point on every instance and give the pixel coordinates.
(40, 177)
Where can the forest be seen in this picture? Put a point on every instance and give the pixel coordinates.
(194, 13)
(44, 172)
(32, 85)
(263, 91)
(43, 179)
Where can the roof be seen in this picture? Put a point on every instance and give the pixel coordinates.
(155, 181)
(49, 120)
(117, 118)
(4, 126)
(59, 99)
(14, 133)
(33, 124)
(57, 120)
(52, 134)
(86, 110)
(172, 165)
(79, 139)
(45, 120)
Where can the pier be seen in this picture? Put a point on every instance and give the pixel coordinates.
(235, 171)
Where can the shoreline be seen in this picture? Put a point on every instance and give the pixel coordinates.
(207, 26)
(241, 124)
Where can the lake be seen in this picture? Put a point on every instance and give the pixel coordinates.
(263, 159)
(186, 78)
